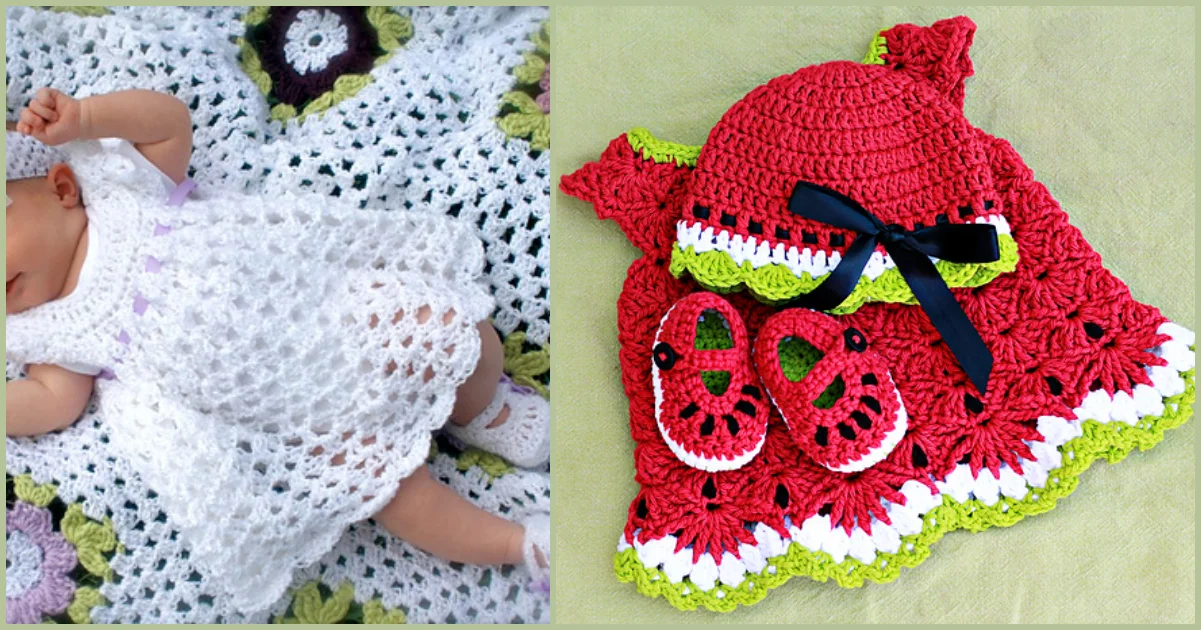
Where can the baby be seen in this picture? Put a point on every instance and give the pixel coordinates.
(273, 368)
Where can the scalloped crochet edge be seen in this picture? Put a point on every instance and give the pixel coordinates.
(644, 143)
(775, 284)
(1112, 441)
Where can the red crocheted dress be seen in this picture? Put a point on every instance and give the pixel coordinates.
(731, 506)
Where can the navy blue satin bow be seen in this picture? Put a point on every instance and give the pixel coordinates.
(911, 251)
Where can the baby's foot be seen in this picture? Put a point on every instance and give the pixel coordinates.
(515, 426)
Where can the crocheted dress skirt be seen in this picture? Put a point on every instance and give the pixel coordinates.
(1080, 368)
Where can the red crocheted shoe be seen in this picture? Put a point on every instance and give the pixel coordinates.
(708, 402)
(838, 398)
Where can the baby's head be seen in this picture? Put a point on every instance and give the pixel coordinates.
(45, 221)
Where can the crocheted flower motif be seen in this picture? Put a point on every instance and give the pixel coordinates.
(38, 561)
(317, 603)
(305, 60)
(54, 552)
(525, 111)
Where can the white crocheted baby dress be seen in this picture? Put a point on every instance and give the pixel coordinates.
(279, 362)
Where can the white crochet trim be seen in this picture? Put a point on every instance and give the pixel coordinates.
(313, 39)
(818, 534)
(761, 251)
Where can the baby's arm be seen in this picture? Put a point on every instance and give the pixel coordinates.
(158, 124)
(50, 399)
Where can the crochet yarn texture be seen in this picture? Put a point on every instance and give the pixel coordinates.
(1081, 370)
(419, 139)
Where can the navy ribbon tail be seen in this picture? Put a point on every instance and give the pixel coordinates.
(911, 251)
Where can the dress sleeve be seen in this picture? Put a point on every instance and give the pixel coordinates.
(128, 150)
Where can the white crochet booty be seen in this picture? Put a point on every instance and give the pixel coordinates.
(537, 540)
(523, 438)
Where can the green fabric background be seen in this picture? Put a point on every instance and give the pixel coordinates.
(1099, 102)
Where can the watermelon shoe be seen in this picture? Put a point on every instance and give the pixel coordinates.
(837, 397)
(709, 405)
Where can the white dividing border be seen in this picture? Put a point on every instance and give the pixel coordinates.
(761, 251)
(817, 533)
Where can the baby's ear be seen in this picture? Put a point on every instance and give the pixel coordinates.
(638, 182)
(936, 53)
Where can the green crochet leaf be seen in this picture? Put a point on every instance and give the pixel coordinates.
(1112, 442)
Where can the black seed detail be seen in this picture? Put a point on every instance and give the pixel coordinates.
(846, 431)
(781, 233)
(988, 204)
(745, 407)
(728, 220)
(918, 225)
(1095, 385)
(919, 457)
(837, 240)
(751, 390)
(862, 420)
(709, 490)
(869, 379)
(700, 212)
(642, 511)
(808, 238)
(1055, 385)
(754, 227)
(823, 436)
(731, 424)
(826, 509)
(965, 211)
(664, 356)
(966, 459)
(678, 533)
(1094, 331)
(781, 496)
(707, 426)
(871, 403)
(687, 412)
(855, 340)
(712, 507)
(941, 220)
(972, 403)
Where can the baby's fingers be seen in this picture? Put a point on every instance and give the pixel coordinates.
(45, 111)
(46, 96)
(32, 119)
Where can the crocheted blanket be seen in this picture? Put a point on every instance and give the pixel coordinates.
(394, 109)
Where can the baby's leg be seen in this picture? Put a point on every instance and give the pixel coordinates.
(433, 517)
(477, 392)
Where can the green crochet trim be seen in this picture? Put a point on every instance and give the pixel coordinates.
(30, 492)
(520, 115)
(661, 151)
(392, 31)
(492, 465)
(776, 284)
(1112, 441)
(317, 603)
(876, 50)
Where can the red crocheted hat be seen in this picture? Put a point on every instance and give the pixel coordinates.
(1079, 368)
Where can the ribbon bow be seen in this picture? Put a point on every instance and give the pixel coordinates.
(911, 251)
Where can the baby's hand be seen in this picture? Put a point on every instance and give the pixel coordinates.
(52, 117)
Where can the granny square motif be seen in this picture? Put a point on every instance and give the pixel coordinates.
(879, 437)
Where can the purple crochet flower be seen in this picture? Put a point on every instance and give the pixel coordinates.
(543, 99)
(39, 560)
